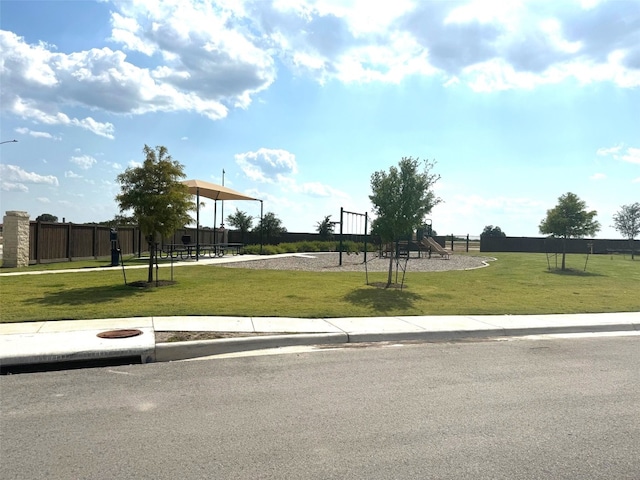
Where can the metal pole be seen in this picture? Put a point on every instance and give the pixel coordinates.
(261, 226)
(366, 219)
(340, 247)
(198, 224)
(222, 206)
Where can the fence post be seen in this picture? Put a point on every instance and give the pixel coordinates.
(467, 243)
(69, 242)
(452, 242)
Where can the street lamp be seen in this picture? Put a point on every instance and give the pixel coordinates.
(8, 141)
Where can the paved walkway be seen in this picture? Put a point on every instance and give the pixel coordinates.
(58, 341)
(70, 340)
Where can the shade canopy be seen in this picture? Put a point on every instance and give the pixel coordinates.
(214, 191)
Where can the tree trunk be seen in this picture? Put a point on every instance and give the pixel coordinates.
(390, 277)
(151, 257)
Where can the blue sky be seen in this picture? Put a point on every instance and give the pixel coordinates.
(300, 101)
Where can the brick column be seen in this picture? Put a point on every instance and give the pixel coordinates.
(15, 251)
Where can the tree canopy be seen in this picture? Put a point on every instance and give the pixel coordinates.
(46, 217)
(270, 226)
(401, 198)
(569, 219)
(325, 228)
(491, 231)
(154, 194)
(241, 221)
(627, 222)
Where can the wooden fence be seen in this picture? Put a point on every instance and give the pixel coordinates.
(59, 242)
(554, 245)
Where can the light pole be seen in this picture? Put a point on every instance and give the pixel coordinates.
(8, 141)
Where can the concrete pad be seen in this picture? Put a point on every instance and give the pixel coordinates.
(202, 324)
(448, 323)
(102, 324)
(286, 325)
(353, 325)
(20, 327)
(24, 349)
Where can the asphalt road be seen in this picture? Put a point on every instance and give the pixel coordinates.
(561, 409)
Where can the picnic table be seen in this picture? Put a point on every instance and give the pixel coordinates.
(191, 250)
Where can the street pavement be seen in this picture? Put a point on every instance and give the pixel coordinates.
(540, 407)
(44, 342)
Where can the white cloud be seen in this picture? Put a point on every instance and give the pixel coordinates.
(35, 134)
(43, 200)
(267, 165)
(621, 153)
(13, 187)
(632, 155)
(603, 152)
(598, 176)
(71, 174)
(85, 162)
(14, 173)
(209, 57)
(509, 45)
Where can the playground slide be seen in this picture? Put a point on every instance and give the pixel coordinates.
(435, 246)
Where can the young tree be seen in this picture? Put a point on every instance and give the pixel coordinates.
(270, 226)
(491, 231)
(569, 219)
(241, 221)
(325, 228)
(160, 203)
(46, 217)
(627, 222)
(401, 199)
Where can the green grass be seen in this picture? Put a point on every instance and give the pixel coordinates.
(514, 284)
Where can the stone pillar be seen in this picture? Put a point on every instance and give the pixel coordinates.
(15, 251)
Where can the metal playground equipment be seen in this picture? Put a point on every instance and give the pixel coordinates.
(355, 225)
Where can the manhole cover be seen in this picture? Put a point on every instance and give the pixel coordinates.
(133, 332)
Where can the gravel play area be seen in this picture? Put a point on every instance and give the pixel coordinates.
(329, 262)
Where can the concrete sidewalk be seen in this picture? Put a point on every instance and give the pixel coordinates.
(76, 340)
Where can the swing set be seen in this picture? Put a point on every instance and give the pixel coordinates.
(354, 225)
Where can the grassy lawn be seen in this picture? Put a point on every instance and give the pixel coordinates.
(514, 284)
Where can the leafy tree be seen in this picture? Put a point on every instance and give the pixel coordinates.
(270, 226)
(240, 221)
(627, 222)
(401, 199)
(325, 228)
(491, 231)
(569, 219)
(160, 203)
(46, 217)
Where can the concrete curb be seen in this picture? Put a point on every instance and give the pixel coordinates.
(167, 352)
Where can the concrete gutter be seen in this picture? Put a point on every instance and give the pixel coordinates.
(171, 351)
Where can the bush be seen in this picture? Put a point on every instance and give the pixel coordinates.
(309, 246)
